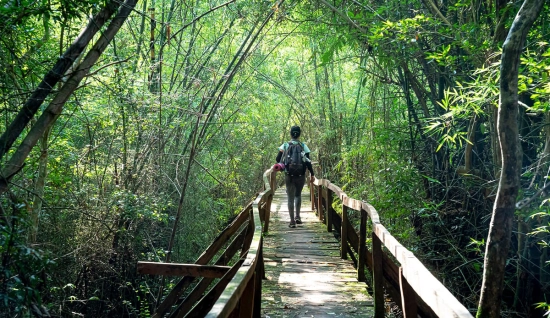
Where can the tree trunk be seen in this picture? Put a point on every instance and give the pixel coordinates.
(55, 108)
(498, 242)
(53, 77)
(39, 185)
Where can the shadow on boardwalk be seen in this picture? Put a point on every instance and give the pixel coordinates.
(305, 275)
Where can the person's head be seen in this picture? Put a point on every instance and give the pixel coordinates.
(295, 132)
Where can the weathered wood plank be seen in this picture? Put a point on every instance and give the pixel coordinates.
(206, 303)
(408, 297)
(344, 231)
(362, 250)
(352, 203)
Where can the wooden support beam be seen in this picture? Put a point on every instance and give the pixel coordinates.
(408, 297)
(185, 306)
(329, 210)
(176, 269)
(325, 199)
(206, 256)
(319, 201)
(312, 194)
(267, 214)
(378, 276)
(245, 307)
(362, 250)
(344, 233)
(206, 303)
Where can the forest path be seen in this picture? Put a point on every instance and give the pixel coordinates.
(305, 275)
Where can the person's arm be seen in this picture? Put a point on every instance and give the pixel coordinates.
(279, 156)
(309, 166)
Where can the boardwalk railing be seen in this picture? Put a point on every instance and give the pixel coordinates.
(237, 293)
(411, 285)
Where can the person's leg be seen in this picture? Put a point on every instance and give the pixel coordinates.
(290, 193)
(299, 184)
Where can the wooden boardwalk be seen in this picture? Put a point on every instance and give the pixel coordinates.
(305, 275)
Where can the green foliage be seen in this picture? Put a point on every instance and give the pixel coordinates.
(118, 155)
(23, 272)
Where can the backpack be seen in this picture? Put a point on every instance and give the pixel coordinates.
(293, 158)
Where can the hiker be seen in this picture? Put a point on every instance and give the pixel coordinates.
(294, 155)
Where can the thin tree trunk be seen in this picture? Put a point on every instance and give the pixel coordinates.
(40, 184)
(498, 241)
(55, 108)
(34, 102)
(231, 74)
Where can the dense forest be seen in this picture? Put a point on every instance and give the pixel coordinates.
(136, 130)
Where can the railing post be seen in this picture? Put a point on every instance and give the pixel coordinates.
(323, 216)
(319, 200)
(378, 276)
(408, 297)
(344, 232)
(262, 213)
(267, 212)
(312, 194)
(362, 247)
(329, 210)
(273, 181)
(258, 276)
(246, 303)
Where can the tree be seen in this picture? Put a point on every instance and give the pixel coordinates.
(498, 241)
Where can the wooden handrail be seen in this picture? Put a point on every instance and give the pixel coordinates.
(414, 275)
(238, 293)
(247, 281)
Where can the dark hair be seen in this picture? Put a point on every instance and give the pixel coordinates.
(295, 131)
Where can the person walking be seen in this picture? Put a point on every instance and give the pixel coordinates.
(294, 155)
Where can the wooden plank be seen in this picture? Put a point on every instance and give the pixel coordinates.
(408, 297)
(250, 229)
(353, 203)
(321, 182)
(206, 303)
(390, 242)
(325, 210)
(344, 232)
(245, 308)
(373, 214)
(178, 269)
(337, 191)
(329, 210)
(362, 247)
(311, 186)
(319, 201)
(268, 213)
(433, 293)
(377, 277)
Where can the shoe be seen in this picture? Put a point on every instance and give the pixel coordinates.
(298, 221)
(292, 225)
